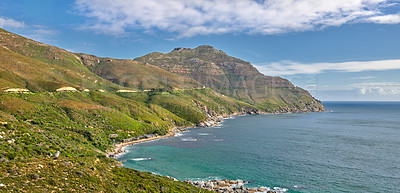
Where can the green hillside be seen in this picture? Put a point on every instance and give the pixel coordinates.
(136, 75)
(84, 125)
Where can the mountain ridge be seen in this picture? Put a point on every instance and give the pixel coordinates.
(228, 75)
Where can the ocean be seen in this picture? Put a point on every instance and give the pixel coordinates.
(352, 147)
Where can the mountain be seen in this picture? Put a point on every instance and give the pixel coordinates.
(42, 67)
(234, 77)
(78, 106)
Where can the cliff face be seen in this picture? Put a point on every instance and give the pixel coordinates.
(233, 77)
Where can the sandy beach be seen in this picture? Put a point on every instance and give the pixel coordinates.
(118, 149)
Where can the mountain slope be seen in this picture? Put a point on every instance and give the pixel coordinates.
(136, 75)
(62, 68)
(233, 77)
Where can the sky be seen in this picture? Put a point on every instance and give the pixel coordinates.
(339, 50)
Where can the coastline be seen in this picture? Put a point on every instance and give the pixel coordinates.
(212, 185)
(212, 121)
(119, 148)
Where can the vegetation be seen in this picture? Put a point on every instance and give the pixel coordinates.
(81, 126)
(78, 125)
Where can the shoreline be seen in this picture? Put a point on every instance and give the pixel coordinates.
(119, 148)
(212, 121)
(228, 186)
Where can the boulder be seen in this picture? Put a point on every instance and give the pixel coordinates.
(261, 189)
(57, 154)
(113, 135)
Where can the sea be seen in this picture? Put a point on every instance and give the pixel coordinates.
(352, 147)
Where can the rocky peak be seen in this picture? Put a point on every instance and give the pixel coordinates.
(178, 49)
(207, 49)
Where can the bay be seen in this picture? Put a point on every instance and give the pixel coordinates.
(353, 147)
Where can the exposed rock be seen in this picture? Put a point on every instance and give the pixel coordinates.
(231, 186)
(113, 135)
(65, 89)
(232, 182)
(172, 178)
(127, 91)
(57, 154)
(261, 189)
(17, 90)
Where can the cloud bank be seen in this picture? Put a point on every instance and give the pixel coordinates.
(5, 23)
(37, 32)
(291, 68)
(201, 17)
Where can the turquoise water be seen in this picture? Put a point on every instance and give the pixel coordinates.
(354, 147)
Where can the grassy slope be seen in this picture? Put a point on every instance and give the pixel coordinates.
(78, 125)
(136, 75)
(36, 125)
(39, 67)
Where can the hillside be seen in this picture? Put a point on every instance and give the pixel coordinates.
(82, 123)
(35, 66)
(234, 77)
(136, 75)
(40, 67)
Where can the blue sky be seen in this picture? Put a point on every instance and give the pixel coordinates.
(336, 49)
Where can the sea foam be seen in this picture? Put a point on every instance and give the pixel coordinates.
(141, 159)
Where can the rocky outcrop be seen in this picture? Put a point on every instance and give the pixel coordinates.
(228, 186)
(211, 121)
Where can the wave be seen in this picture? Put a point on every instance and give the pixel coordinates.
(218, 139)
(203, 134)
(279, 189)
(142, 159)
(189, 139)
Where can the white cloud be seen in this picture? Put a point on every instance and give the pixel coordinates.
(362, 78)
(290, 67)
(385, 19)
(189, 18)
(371, 90)
(10, 23)
(37, 32)
(381, 88)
